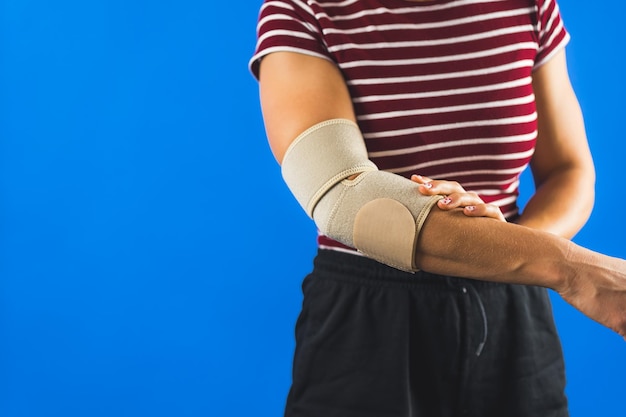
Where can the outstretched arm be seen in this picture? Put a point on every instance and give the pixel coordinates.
(298, 92)
(453, 244)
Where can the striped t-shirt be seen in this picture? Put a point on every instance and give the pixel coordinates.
(440, 88)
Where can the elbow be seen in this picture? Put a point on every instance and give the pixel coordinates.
(587, 187)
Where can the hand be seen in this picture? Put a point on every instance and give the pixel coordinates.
(596, 285)
(457, 197)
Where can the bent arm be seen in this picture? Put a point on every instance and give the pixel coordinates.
(562, 166)
(298, 91)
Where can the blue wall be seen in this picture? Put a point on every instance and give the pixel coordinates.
(135, 280)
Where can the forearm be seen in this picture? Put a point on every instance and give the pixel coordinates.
(561, 205)
(482, 248)
(452, 244)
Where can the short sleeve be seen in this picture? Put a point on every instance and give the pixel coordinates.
(551, 32)
(287, 25)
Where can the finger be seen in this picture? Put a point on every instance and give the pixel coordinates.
(440, 187)
(428, 186)
(444, 187)
(484, 210)
(420, 179)
(456, 200)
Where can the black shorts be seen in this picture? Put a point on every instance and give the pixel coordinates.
(372, 341)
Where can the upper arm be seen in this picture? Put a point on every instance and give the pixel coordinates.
(562, 141)
(298, 91)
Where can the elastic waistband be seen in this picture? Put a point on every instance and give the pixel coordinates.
(361, 270)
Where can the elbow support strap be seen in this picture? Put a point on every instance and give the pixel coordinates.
(378, 213)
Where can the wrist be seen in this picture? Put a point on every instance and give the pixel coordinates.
(552, 267)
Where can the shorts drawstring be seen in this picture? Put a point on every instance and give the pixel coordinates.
(483, 313)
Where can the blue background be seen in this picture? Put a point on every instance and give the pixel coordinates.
(150, 255)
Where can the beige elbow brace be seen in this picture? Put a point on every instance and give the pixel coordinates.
(378, 213)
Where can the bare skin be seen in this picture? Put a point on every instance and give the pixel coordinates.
(299, 91)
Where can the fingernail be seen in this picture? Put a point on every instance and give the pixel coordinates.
(470, 208)
(446, 201)
(428, 185)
